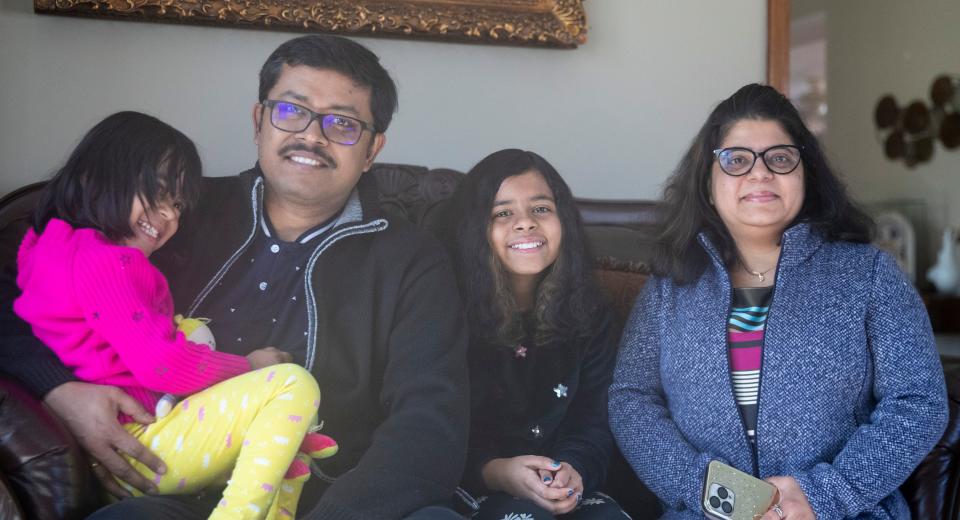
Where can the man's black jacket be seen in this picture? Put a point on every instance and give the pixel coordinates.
(386, 343)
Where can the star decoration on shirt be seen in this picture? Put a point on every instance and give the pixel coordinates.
(560, 390)
(519, 351)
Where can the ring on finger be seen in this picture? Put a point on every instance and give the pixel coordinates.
(93, 465)
(779, 511)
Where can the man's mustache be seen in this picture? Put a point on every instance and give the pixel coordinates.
(315, 150)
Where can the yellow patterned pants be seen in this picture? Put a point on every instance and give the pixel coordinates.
(244, 431)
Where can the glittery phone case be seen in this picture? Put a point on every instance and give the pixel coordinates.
(730, 494)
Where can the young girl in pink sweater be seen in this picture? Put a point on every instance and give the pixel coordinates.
(91, 294)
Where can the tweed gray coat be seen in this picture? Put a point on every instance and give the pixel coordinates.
(852, 394)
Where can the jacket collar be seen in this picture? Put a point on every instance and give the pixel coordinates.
(363, 204)
(799, 243)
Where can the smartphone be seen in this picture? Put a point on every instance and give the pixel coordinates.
(730, 494)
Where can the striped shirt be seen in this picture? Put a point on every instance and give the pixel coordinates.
(745, 328)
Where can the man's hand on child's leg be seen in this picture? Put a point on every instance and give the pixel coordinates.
(90, 413)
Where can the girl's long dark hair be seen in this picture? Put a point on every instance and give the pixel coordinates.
(126, 155)
(686, 208)
(568, 302)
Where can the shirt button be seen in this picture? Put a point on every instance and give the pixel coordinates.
(263, 286)
(274, 248)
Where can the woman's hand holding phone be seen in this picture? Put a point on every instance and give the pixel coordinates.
(793, 503)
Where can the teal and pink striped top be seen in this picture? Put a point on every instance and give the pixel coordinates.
(745, 328)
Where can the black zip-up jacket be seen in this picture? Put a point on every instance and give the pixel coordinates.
(549, 401)
(386, 342)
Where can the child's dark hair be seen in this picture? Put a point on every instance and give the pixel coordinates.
(568, 301)
(126, 155)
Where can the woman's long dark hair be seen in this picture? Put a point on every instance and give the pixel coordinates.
(686, 208)
(567, 301)
(126, 155)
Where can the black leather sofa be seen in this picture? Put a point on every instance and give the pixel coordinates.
(43, 474)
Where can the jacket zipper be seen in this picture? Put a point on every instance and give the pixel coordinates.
(733, 390)
(256, 196)
(763, 354)
(755, 449)
(372, 226)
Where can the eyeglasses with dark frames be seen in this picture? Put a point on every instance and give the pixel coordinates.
(294, 118)
(780, 159)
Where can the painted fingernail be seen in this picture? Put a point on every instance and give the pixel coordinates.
(569, 492)
(556, 464)
(548, 478)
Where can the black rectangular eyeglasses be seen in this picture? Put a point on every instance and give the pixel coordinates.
(294, 118)
(780, 159)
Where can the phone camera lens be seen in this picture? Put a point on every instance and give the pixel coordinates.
(727, 507)
(722, 492)
(715, 502)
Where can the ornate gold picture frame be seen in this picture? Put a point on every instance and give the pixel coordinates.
(550, 23)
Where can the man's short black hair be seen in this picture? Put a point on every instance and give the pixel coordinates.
(323, 51)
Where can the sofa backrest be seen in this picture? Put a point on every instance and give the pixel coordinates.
(621, 229)
(619, 232)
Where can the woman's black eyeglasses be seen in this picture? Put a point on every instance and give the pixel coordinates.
(780, 159)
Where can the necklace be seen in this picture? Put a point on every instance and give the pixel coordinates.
(758, 274)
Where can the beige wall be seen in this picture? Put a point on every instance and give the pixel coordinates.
(613, 115)
(878, 47)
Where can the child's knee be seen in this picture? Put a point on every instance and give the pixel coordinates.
(299, 378)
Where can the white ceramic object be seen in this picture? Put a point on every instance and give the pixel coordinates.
(945, 274)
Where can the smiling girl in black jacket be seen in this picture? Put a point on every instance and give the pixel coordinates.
(542, 345)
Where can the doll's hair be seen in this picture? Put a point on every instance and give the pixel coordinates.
(567, 298)
(127, 155)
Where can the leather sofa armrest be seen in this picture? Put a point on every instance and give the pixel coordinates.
(933, 490)
(42, 465)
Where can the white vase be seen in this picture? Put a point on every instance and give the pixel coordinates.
(945, 274)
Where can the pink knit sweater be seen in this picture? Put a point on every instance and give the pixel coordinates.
(107, 313)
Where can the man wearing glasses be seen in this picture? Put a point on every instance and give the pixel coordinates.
(295, 254)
